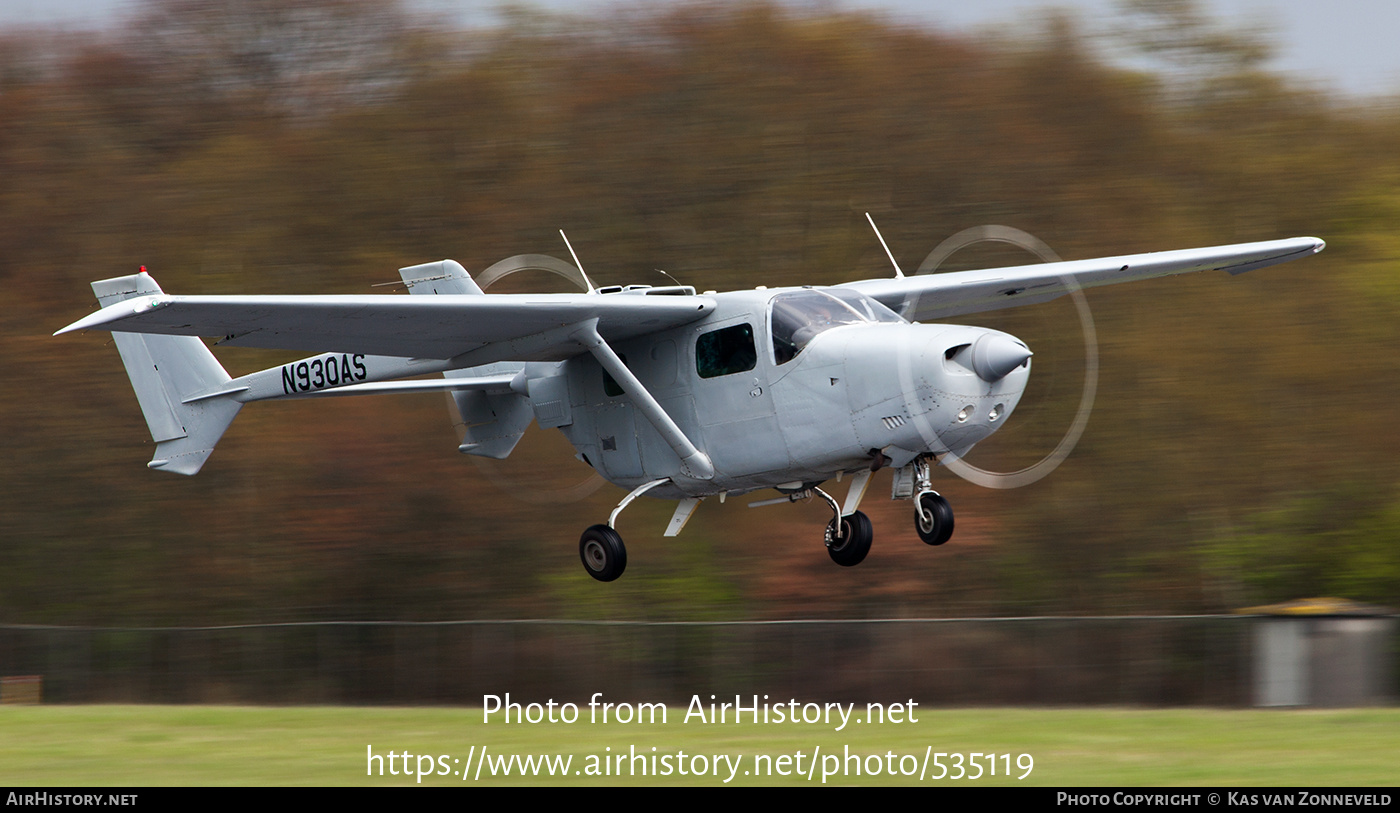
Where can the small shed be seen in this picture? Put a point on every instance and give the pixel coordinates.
(1323, 652)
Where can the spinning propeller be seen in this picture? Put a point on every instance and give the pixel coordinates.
(989, 359)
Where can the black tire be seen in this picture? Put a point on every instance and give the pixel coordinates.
(940, 530)
(849, 548)
(603, 554)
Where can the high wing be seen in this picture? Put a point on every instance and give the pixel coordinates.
(524, 327)
(935, 296)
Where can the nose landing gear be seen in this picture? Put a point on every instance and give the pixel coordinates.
(933, 518)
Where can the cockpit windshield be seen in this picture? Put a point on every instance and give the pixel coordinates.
(800, 315)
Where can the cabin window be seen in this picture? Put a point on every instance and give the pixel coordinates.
(800, 315)
(725, 351)
(611, 388)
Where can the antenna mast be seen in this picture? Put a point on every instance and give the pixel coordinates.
(588, 281)
(897, 272)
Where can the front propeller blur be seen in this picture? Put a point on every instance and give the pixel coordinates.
(998, 355)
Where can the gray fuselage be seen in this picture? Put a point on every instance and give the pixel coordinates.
(769, 416)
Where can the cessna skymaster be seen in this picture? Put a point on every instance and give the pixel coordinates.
(663, 391)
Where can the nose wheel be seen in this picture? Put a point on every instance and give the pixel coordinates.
(933, 518)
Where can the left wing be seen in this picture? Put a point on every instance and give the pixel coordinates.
(526, 326)
(935, 296)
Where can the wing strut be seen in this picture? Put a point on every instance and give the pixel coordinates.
(694, 463)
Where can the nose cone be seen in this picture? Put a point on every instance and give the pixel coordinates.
(995, 355)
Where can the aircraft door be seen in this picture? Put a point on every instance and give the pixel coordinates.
(732, 401)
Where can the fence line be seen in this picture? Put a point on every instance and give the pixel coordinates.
(1133, 660)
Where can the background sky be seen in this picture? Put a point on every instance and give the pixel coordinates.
(1344, 46)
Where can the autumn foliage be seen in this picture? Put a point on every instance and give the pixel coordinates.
(1242, 447)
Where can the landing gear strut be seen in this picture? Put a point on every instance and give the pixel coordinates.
(848, 538)
(849, 545)
(933, 516)
(601, 549)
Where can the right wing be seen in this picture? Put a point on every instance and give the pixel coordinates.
(936, 296)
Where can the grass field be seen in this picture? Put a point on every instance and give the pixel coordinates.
(61, 746)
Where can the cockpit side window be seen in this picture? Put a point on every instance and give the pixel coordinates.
(726, 351)
(800, 315)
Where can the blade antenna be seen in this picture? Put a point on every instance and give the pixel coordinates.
(897, 272)
(586, 280)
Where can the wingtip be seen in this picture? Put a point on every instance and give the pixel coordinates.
(116, 311)
(91, 320)
(81, 324)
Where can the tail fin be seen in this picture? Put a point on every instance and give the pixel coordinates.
(170, 374)
(441, 277)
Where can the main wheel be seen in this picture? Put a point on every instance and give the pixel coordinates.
(933, 518)
(603, 554)
(849, 547)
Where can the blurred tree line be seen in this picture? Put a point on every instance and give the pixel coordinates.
(1242, 449)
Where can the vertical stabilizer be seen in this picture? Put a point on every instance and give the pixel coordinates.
(169, 374)
(441, 277)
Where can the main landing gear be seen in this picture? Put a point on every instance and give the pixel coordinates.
(848, 537)
(603, 554)
(848, 546)
(601, 549)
